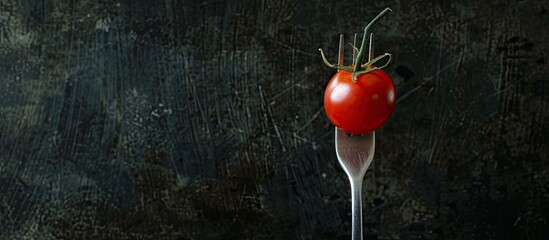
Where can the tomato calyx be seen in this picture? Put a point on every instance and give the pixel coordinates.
(358, 69)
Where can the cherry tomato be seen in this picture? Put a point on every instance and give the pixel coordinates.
(359, 107)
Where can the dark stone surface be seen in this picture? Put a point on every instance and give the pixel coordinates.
(203, 120)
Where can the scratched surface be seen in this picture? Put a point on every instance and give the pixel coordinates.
(203, 120)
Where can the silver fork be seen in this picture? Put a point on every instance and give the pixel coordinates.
(355, 154)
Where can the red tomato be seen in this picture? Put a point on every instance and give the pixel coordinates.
(359, 107)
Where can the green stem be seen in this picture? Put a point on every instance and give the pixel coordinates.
(366, 31)
(334, 66)
(360, 69)
(358, 73)
(355, 50)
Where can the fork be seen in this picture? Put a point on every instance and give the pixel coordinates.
(355, 154)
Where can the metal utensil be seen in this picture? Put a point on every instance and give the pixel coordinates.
(355, 154)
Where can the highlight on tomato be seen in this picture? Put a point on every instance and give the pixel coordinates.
(360, 98)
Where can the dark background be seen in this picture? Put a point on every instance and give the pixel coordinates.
(169, 119)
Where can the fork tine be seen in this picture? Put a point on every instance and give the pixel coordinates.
(371, 48)
(341, 49)
(354, 49)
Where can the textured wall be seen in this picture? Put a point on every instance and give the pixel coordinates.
(168, 119)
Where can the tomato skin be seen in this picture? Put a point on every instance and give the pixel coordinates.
(361, 107)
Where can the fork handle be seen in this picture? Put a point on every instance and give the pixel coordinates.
(356, 199)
